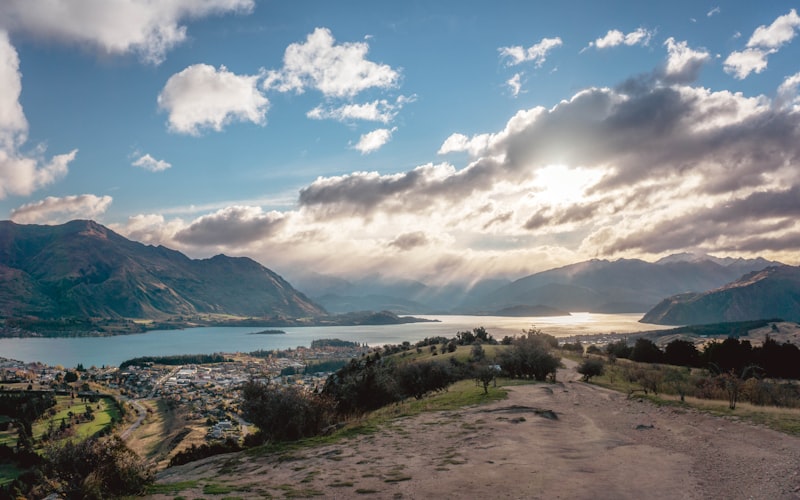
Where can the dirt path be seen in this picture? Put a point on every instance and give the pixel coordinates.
(601, 446)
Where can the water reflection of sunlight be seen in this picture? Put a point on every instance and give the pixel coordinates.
(572, 319)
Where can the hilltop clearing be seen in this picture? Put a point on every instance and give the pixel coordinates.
(601, 445)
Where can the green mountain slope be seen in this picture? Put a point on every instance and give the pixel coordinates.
(771, 293)
(83, 269)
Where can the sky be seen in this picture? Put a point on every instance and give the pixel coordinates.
(439, 141)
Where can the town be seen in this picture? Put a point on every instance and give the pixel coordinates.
(206, 395)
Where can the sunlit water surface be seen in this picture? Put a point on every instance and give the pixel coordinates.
(99, 351)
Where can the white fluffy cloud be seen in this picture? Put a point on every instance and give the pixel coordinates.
(147, 162)
(373, 141)
(203, 97)
(336, 70)
(537, 52)
(640, 36)
(515, 84)
(683, 63)
(20, 174)
(144, 27)
(380, 110)
(53, 210)
(788, 93)
(764, 41)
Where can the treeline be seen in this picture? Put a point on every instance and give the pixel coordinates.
(734, 329)
(771, 359)
(26, 405)
(322, 343)
(178, 359)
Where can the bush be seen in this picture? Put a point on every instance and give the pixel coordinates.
(530, 356)
(576, 347)
(619, 349)
(591, 367)
(285, 413)
(96, 468)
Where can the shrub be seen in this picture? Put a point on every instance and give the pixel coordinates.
(530, 356)
(574, 347)
(96, 468)
(285, 413)
(592, 367)
(619, 349)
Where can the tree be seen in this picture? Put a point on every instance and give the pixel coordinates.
(681, 353)
(530, 356)
(646, 351)
(477, 353)
(285, 413)
(619, 349)
(592, 367)
(485, 374)
(678, 379)
(96, 468)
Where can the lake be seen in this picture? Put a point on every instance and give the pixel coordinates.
(111, 351)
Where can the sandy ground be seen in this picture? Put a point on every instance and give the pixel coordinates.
(601, 446)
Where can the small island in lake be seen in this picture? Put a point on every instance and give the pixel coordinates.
(268, 332)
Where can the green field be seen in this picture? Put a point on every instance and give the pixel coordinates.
(104, 415)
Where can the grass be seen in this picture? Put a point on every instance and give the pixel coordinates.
(8, 473)
(170, 488)
(786, 420)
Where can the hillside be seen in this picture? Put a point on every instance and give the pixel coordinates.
(771, 293)
(624, 285)
(83, 269)
(602, 444)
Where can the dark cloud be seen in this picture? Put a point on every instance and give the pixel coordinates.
(504, 217)
(409, 241)
(231, 226)
(753, 218)
(537, 221)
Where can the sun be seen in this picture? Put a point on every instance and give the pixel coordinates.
(562, 185)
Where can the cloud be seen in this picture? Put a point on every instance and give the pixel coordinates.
(54, 210)
(20, 173)
(613, 38)
(373, 141)
(741, 63)
(652, 166)
(764, 41)
(335, 70)
(537, 53)
(409, 241)
(683, 63)
(713, 12)
(787, 93)
(231, 226)
(146, 28)
(202, 97)
(378, 111)
(781, 31)
(147, 162)
(515, 84)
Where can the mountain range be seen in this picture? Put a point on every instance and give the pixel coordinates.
(602, 286)
(772, 293)
(83, 269)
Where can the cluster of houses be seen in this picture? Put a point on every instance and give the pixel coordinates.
(208, 391)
